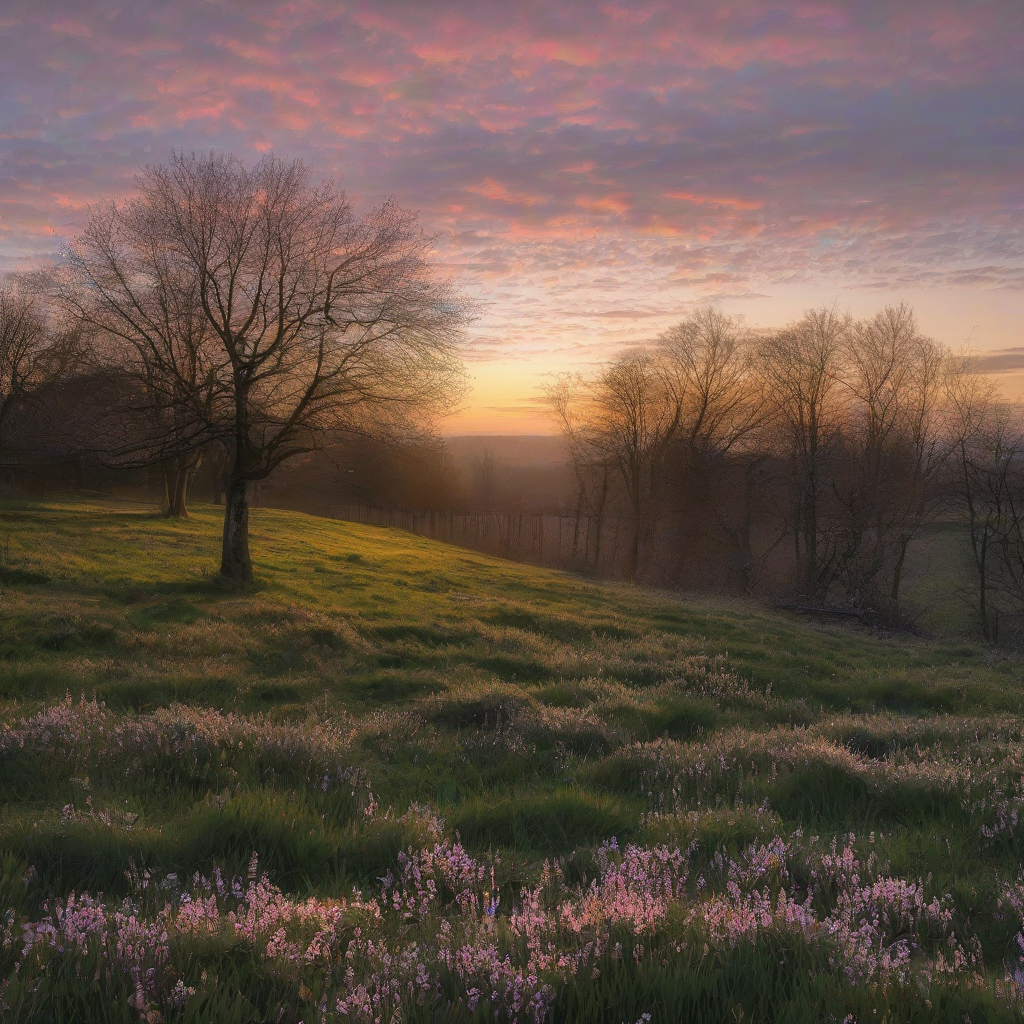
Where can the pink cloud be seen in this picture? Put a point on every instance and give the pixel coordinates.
(670, 148)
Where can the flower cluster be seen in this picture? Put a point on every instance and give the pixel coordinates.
(438, 932)
(186, 745)
(446, 931)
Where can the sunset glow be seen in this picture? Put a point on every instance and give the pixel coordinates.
(591, 171)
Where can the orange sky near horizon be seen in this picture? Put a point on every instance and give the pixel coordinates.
(506, 396)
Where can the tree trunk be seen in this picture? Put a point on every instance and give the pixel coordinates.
(797, 527)
(600, 518)
(235, 564)
(745, 545)
(982, 589)
(167, 477)
(639, 524)
(814, 584)
(634, 550)
(177, 476)
(897, 573)
(178, 505)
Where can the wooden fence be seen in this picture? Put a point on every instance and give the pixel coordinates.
(603, 545)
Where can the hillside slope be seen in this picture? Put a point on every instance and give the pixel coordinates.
(127, 604)
(588, 801)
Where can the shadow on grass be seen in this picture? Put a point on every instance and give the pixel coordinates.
(546, 823)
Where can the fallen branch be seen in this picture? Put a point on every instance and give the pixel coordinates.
(825, 612)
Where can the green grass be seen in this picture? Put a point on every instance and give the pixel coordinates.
(376, 692)
(938, 584)
(126, 604)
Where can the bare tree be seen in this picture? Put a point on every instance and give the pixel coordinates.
(171, 374)
(620, 422)
(988, 438)
(269, 312)
(638, 413)
(834, 434)
(34, 352)
(927, 447)
(646, 429)
(22, 345)
(706, 368)
(895, 446)
(570, 400)
(706, 363)
(801, 368)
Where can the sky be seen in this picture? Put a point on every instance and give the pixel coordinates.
(591, 171)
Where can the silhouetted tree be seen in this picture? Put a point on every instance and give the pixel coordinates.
(620, 422)
(35, 352)
(262, 314)
(896, 445)
(801, 370)
(706, 362)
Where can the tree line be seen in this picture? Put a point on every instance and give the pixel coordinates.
(801, 463)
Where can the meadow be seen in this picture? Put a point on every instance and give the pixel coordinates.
(401, 781)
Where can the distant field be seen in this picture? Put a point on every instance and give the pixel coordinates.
(452, 788)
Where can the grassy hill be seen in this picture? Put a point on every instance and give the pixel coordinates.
(435, 749)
